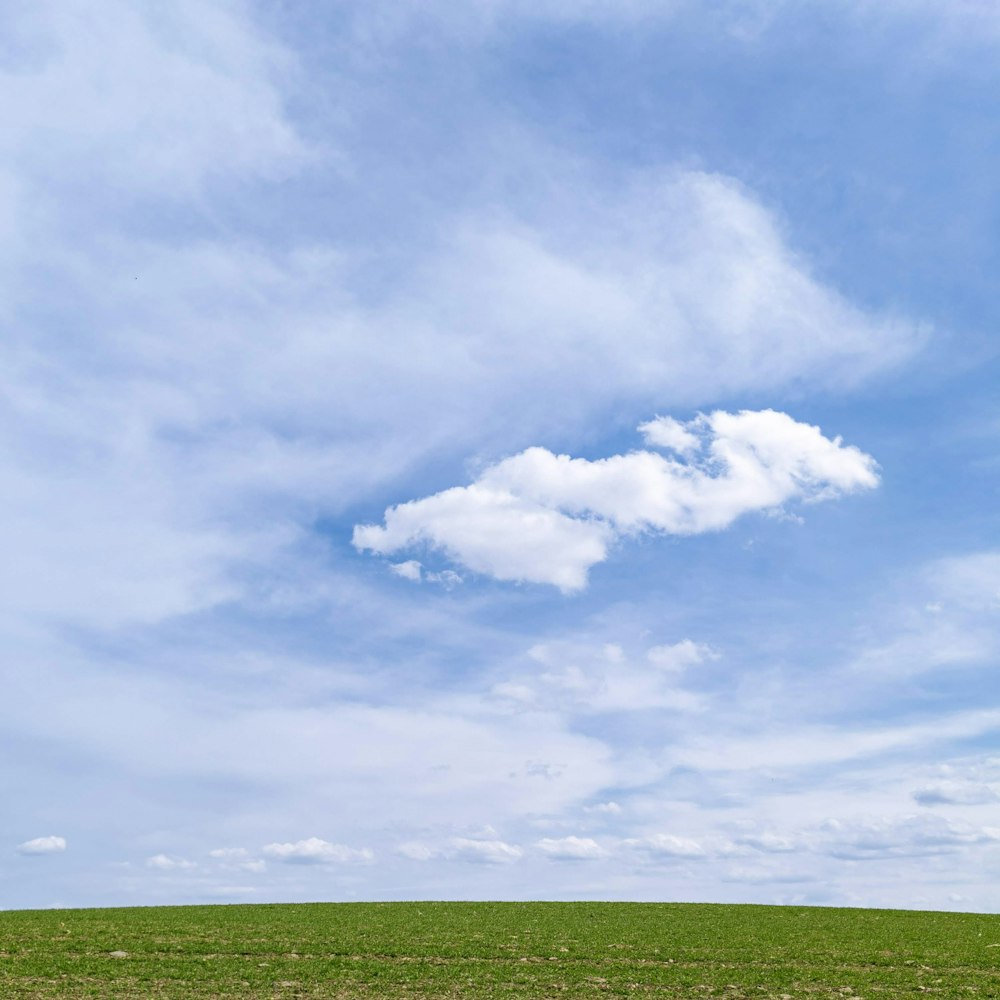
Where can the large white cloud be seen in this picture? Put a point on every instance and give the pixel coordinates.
(548, 518)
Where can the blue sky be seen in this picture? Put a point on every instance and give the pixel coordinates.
(500, 450)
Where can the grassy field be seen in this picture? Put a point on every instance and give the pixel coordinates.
(497, 950)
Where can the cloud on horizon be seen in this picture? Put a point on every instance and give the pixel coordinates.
(315, 851)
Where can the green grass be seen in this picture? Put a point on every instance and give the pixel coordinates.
(498, 950)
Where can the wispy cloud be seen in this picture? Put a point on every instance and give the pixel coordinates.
(571, 848)
(579, 678)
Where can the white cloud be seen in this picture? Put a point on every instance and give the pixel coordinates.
(197, 447)
(870, 839)
(315, 851)
(167, 863)
(229, 853)
(515, 691)
(769, 842)
(408, 570)
(671, 434)
(855, 838)
(491, 852)
(414, 571)
(679, 283)
(580, 678)
(43, 845)
(548, 518)
(666, 845)
(604, 808)
(494, 533)
(678, 657)
(485, 848)
(416, 851)
(571, 848)
(239, 858)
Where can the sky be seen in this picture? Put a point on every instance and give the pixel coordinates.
(500, 450)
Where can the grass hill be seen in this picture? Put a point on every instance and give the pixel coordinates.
(497, 950)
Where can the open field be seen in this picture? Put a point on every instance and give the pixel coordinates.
(499, 950)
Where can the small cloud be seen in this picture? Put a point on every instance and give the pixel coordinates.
(490, 852)
(229, 853)
(238, 857)
(571, 848)
(413, 570)
(604, 808)
(593, 679)
(409, 570)
(316, 852)
(666, 845)
(167, 863)
(514, 692)
(417, 852)
(680, 655)
(43, 845)
(666, 432)
(769, 843)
